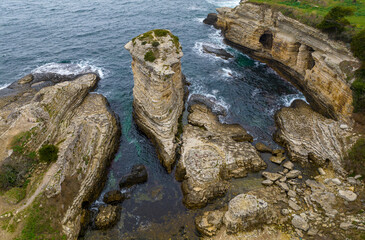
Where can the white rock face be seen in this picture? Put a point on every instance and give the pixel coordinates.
(300, 223)
(245, 211)
(158, 93)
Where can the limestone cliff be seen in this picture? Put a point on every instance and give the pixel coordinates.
(158, 93)
(211, 154)
(320, 67)
(83, 128)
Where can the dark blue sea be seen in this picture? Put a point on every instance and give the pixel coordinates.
(43, 36)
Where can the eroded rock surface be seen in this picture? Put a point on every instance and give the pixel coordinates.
(211, 154)
(307, 135)
(83, 127)
(318, 65)
(158, 93)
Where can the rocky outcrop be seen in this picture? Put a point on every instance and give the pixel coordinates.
(158, 89)
(317, 65)
(309, 136)
(79, 123)
(211, 154)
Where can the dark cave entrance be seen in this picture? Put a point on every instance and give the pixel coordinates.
(266, 40)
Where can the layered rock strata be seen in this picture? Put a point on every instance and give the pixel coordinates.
(309, 136)
(79, 123)
(158, 89)
(317, 65)
(211, 154)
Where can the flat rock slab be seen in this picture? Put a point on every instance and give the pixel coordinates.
(347, 195)
(300, 223)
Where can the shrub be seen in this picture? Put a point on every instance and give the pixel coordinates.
(8, 177)
(155, 44)
(358, 46)
(149, 56)
(355, 159)
(48, 153)
(335, 22)
(161, 32)
(358, 93)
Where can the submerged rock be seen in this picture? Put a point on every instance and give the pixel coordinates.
(137, 175)
(107, 216)
(210, 222)
(219, 52)
(210, 156)
(114, 197)
(158, 93)
(262, 148)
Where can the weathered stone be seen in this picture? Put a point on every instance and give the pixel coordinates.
(277, 159)
(308, 136)
(107, 216)
(293, 174)
(27, 79)
(210, 155)
(292, 193)
(278, 151)
(262, 147)
(271, 176)
(137, 175)
(312, 232)
(267, 182)
(304, 52)
(245, 211)
(285, 212)
(347, 195)
(294, 206)
(321, 171)
(336, 181)
(113, 197)
(210, 222)
(289, 165)
(283, 185)
(211, 19)
(346, 225)
(158, 92)
(326, 200)
(300, 223)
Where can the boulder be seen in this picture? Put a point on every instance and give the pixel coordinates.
(137, 175)
(262, 147)
(245, 211)
(300, 223)
(288, 165)
(293, 174)
(271, 176)
(277, 159)
(348, 195)
(210, 222)
(114, 197)
(107, 216)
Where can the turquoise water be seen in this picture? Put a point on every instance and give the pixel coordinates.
(39, 35)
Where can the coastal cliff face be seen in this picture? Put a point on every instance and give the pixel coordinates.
(83, 128)
(158, 93)
(211, 154)
(320, 67)
(310, 137)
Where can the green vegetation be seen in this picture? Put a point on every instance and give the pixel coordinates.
(161, 32)
(335, 22)
(48, 153)
(8, 177)
(40, 223)
(153, 35)
(355, 160)
(16, 194)
(155, 44)
(358, 86)
(19, 142)
(312, 12)
(149, 56)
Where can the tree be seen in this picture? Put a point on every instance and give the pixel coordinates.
(335, 22)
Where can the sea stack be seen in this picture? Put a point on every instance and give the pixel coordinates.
(158, 89)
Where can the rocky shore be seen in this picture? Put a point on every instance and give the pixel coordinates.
(54, 110)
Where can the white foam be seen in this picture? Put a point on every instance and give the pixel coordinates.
(228, 73)
(199, 19)
(195, 8)
(287, 100)
(224, 3)
(217, 39)
(219, 102)
(198, 49)
(5, 85)
(70, 68)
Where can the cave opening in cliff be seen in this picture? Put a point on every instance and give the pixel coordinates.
(311, 61)
(266, 40)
